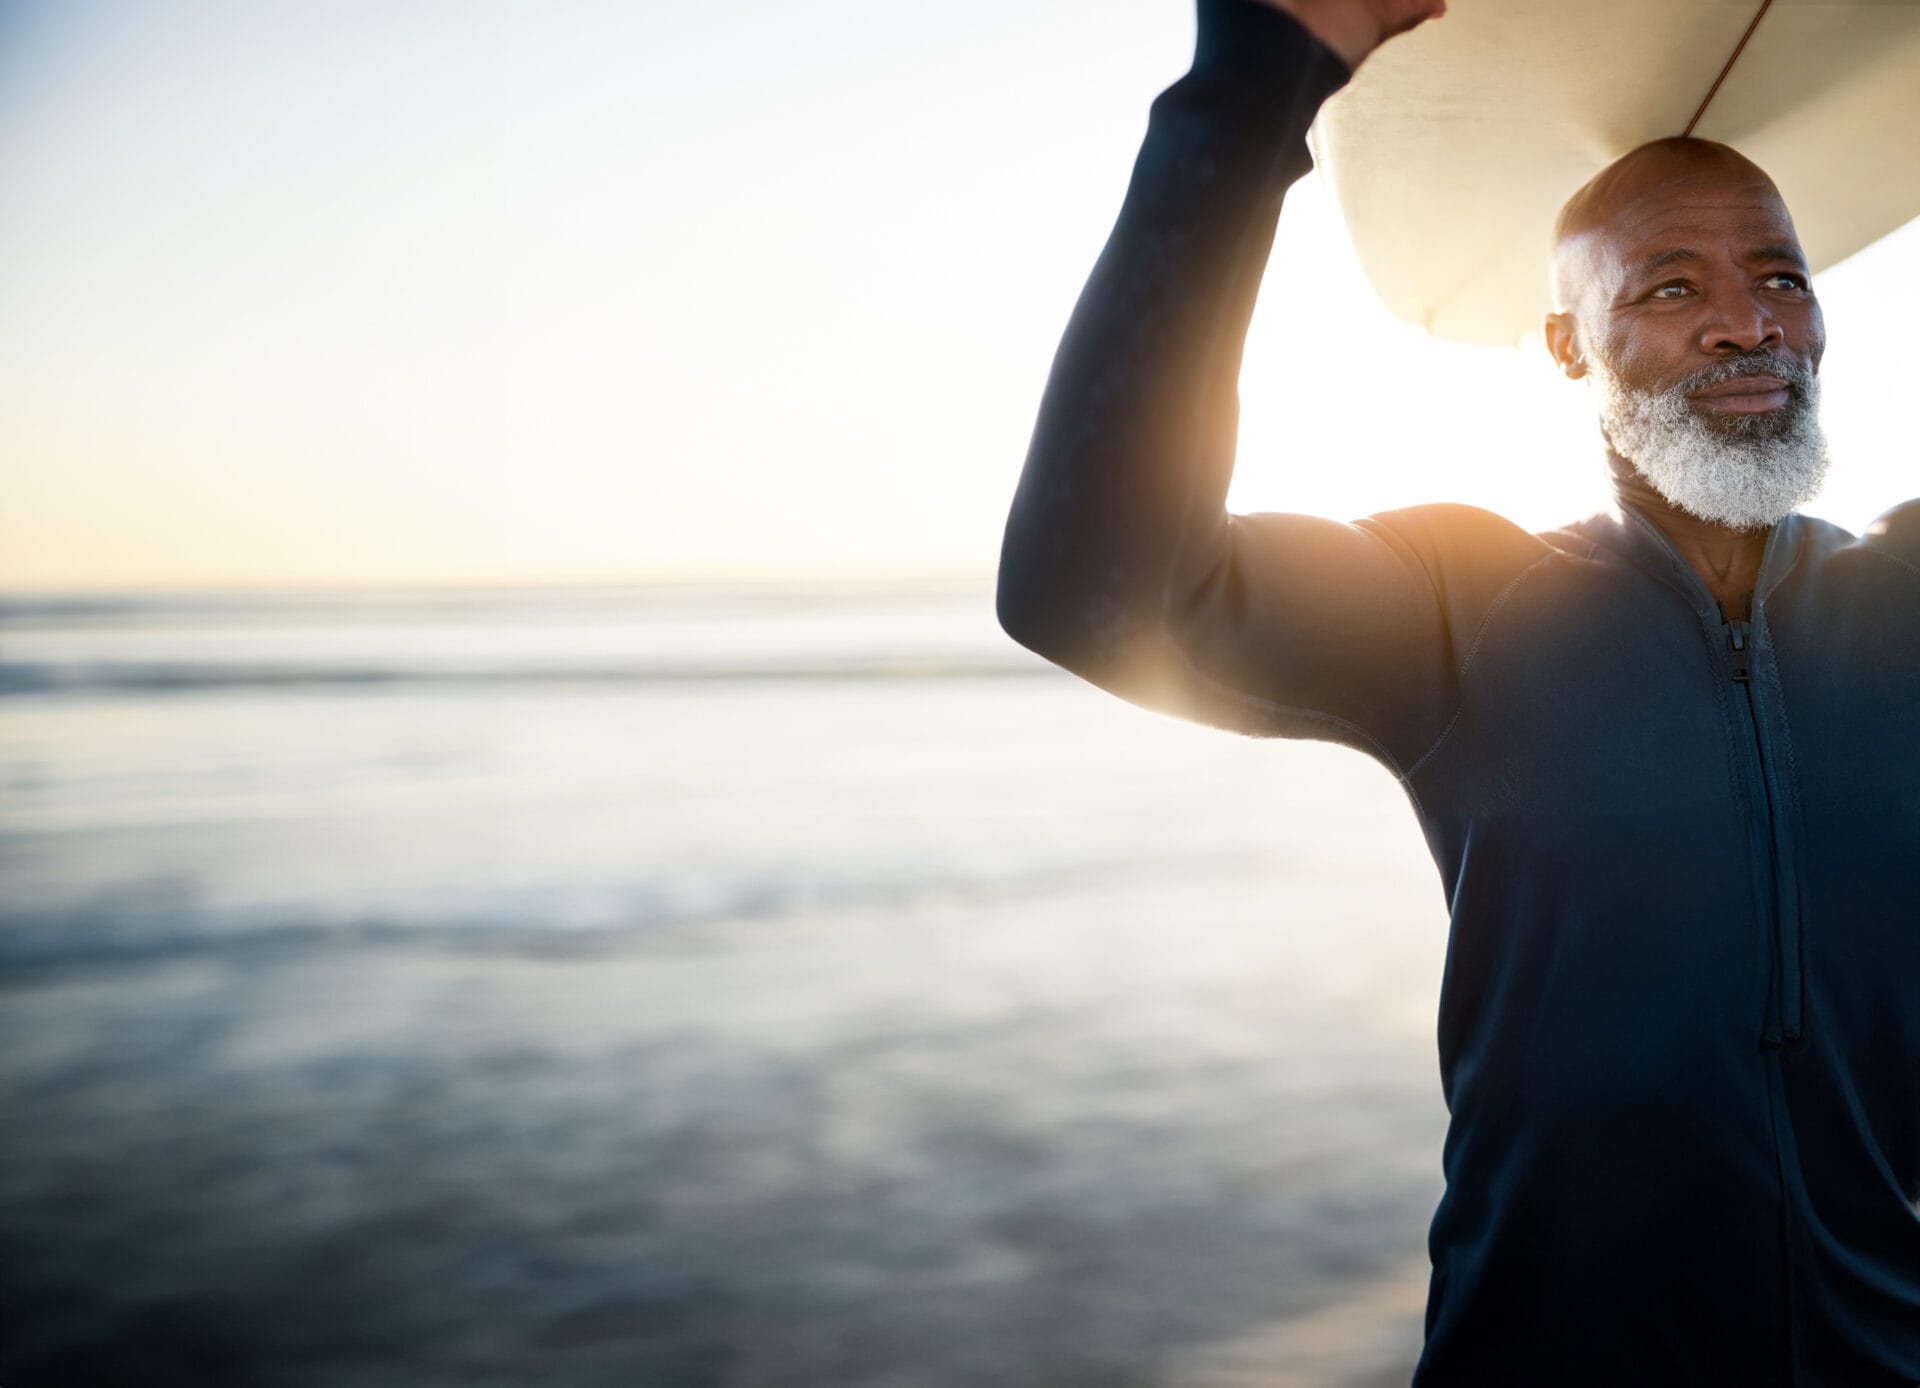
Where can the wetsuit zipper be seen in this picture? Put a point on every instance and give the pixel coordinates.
(1783, 1005)
(1783, 1020)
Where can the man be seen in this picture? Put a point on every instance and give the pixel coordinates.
(1667, 758)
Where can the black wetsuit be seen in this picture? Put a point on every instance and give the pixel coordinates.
(1679, 1025)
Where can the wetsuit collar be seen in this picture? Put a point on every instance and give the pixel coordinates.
(1627, 529)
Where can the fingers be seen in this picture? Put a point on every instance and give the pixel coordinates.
(1417, 14)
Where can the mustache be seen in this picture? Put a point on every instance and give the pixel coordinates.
(1798, 375)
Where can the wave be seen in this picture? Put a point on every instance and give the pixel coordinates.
(158, 643)
(150, 925)
(159, 677)
(291, 606)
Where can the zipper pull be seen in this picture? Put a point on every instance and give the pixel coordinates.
(1737, 651)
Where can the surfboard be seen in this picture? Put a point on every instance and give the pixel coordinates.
(1455, 145)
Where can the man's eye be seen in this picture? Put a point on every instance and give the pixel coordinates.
(1669, 291)
(1786, 281)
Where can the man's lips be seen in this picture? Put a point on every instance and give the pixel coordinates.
(1743, 395)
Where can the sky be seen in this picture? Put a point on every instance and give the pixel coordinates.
(508, 291)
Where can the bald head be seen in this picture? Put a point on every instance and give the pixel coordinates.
(1622, 198)
(1682, 295)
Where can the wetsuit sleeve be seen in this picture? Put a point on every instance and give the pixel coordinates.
(1120, 561)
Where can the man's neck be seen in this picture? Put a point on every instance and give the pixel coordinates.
(1727, 560)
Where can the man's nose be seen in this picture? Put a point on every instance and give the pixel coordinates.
(1738, 320)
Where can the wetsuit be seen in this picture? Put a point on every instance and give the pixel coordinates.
(1679, 1024)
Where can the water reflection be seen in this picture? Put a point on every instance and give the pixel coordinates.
(948, 1029)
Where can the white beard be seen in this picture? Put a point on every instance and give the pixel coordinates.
(1747, 474)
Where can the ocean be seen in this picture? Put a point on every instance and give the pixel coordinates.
(735, 985)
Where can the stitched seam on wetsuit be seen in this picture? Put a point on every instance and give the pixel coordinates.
(1486, 622)
(1648, 569)
(1769, 672)
(1906, 564)
(1593, 547)
(1741, 792)
(1799, 553)
(1786, 730)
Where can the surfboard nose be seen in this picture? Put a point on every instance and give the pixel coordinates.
(1454, 146)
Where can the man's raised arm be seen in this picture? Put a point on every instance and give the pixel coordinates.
(1120, 561)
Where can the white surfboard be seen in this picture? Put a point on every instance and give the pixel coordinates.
(1455, 145)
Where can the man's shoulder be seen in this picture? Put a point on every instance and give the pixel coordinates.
(1889, 545)
(1459, 541)
(1455, 528)
(1896, 532)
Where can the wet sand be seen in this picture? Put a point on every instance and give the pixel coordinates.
(1155, 1133)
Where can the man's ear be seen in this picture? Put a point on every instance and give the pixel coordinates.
(1563, 340)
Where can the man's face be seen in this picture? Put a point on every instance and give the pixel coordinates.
(1697, 324)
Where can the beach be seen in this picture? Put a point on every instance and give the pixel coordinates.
(689, 986)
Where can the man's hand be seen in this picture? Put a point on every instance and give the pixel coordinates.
(1354, 28)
